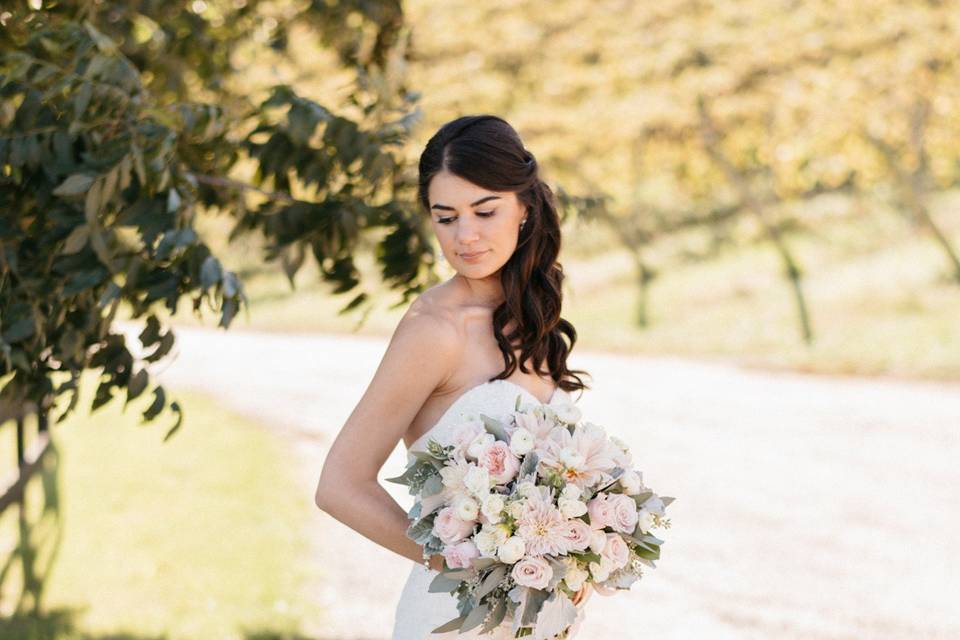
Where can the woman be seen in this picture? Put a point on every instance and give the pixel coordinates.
(475, 342)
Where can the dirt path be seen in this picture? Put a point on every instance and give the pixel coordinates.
(807, 507)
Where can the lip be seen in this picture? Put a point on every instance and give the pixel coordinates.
(472, 256)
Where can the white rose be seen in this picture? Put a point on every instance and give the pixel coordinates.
(515, 509)
(486, 543)
(479, 443)
(492, 506)
(575, 577)
(477, 481)
(631, 482)
(467, 509)
(566, 412)
(598, 540)
(571, 492)
(521, 442)
(572, 508)
(644, 520)
(601, 571)
(511, 550)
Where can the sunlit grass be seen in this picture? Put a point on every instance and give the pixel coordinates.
(199, 537)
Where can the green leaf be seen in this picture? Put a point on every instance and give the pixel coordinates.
(137, 385)
(529, 464)
(91, 205)
(19, 330)
(156, 406)
(496, 616)
(453, 625)
(74, 185)
(82, 100)
(432, 486)
(443, 584)
(475, 617)
(210, 272)
(77, 239)
(492, 581)
(175, 407)
(495, 427)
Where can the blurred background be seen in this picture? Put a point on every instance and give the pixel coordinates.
(209, 232)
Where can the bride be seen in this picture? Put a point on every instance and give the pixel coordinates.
(489, 334)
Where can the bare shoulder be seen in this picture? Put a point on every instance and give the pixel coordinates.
(432, 320)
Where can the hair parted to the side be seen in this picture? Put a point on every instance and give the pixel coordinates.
(487, 151)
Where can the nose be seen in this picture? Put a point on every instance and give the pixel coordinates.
(467, 233)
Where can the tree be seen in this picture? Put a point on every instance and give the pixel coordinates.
(121, 123)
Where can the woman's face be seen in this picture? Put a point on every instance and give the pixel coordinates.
(471, 220)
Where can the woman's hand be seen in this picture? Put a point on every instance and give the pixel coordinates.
(436, 562)
(582, 595)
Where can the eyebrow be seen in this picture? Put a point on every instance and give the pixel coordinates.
(472, 204)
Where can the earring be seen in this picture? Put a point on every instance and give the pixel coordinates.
(523, 222)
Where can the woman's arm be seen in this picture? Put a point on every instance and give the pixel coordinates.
(422, 353)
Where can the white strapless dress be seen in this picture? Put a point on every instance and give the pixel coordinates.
(419, 612)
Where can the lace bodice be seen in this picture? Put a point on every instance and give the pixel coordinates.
(496, 398)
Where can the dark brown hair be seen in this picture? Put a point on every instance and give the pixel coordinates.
(487, 151)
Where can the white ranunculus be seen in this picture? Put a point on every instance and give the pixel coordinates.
(598, 540)
(467, 509)
(571, 492)
(644, 520)
(521, 442)
(575, 577)
(528, 489)
(631, 482)
(479, 443)
(512, 550)
(492, 507)
(572, 508)
(477, 481)
(567, 412)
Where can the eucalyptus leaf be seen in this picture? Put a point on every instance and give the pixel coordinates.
(495, 427)
(452, 625)
(443, 584)
(475, 617)
(491, 581)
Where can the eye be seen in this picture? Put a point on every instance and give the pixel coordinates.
(482, 214)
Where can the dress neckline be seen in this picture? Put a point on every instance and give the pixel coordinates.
(463, 395)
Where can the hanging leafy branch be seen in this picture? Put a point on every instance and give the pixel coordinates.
(117, 133)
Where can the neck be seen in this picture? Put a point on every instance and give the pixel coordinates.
(487, 292)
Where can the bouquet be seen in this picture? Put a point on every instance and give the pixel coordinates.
(528, 510)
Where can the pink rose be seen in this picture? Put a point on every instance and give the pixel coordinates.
(615, 551)
(601, 512)
(450, 527)
(461, 555)
(624, 513)
(532, 571)
(463, 434)
(577, 534)
(499, 461)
